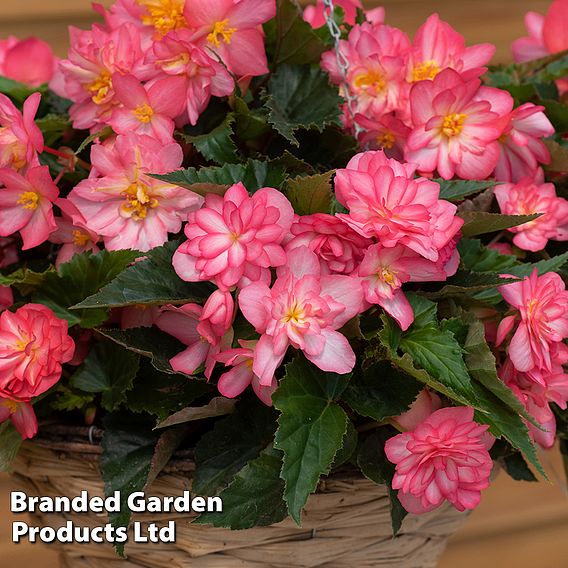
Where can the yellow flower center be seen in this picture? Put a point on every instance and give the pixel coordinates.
(11, 405)
(100, 87)
(294, 314)
(143, 113)
(453, 124)
(163, 15)
(137, 202)
(29, 200)
(370, 79)
(386, 140)
(221, 31)
(532, 307)
(425, 70)
(80, 238)
(388, 276)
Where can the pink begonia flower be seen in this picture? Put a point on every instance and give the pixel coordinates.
(522, 148)
(384, 271)
(386, 133)
(127, 207)
(445, 458)
(235, 239)
(456, 126)
(94, 57)
(6, 297)
(33, 346)
(198, 74)
(29, 61)
(385, 201)
(233, 30)
(217, 316)
(181, 322)
(234, 382)
(425, 404)
(22, 416)
(140, 315)
(437, 46)
(377, 56)
(532, 46)
(542, 306)
(20, 138)
(149, 109)
(73, 233)
(532, 195)
(338, 247)
(26, 205)
(304, 309)
(314, 13)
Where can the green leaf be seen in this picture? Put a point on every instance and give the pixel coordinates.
(516, 466)
(557, 113)
(102, 134)
(80, 278)
(217, 406)
(250, 124)
(480, 222)
(10, 442)
(381, 391)
(311, 428)
(456, 190)
(290, 38)
(254, 498)
(479, 258)
(52, 127)
(217, 145)
(558, 157)
(348, 447)
(24, 279)
(310, 194)
(17, 91)
(300, 97)
(109, 370)
(375, 466)
(230, 445)
(152, 281)
(467, 282)
(553, 264)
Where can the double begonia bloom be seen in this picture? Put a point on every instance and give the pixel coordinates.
(127, 207)
(20, 137)
(437, 46)
(6, 297)
(315, 16)
(29, 61)
(182, 322)
(22, 416)
(444, 458)
(26, 205)
(456, 126)
(339, 248)
(234, 382)
(304, 309)
(541, 303)
(34, 343)
(233, 30)
(235, 239)
(386, 202)
(198, 75)
(532, 195)
(521, 145)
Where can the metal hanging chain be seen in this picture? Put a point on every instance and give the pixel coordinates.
(342, 62)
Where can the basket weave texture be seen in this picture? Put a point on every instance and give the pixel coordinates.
(346, 523)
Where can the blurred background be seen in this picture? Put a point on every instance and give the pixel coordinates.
(518, 524)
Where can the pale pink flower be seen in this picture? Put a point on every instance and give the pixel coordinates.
(303, 309)
(532, 46)
(33, 346)
(149, 109)
(456, 125)
(22, 416)
(181, 322)
(26, 205)
(541, 304)
(234, 382)
(233, 30)
(20, 137)
(445, 458)
(522, 148)
(425, 404)
(73, 233)
(235, 239)
(385, 201)
(339, 248)
(437, 46)
(127, 207)
(29, 61)
(385, 132)
(532, 195)
(217, 316)
(198, 75)
(139, 315)
(314, 13)
(6, 297)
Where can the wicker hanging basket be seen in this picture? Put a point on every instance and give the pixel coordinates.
(346, 523)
